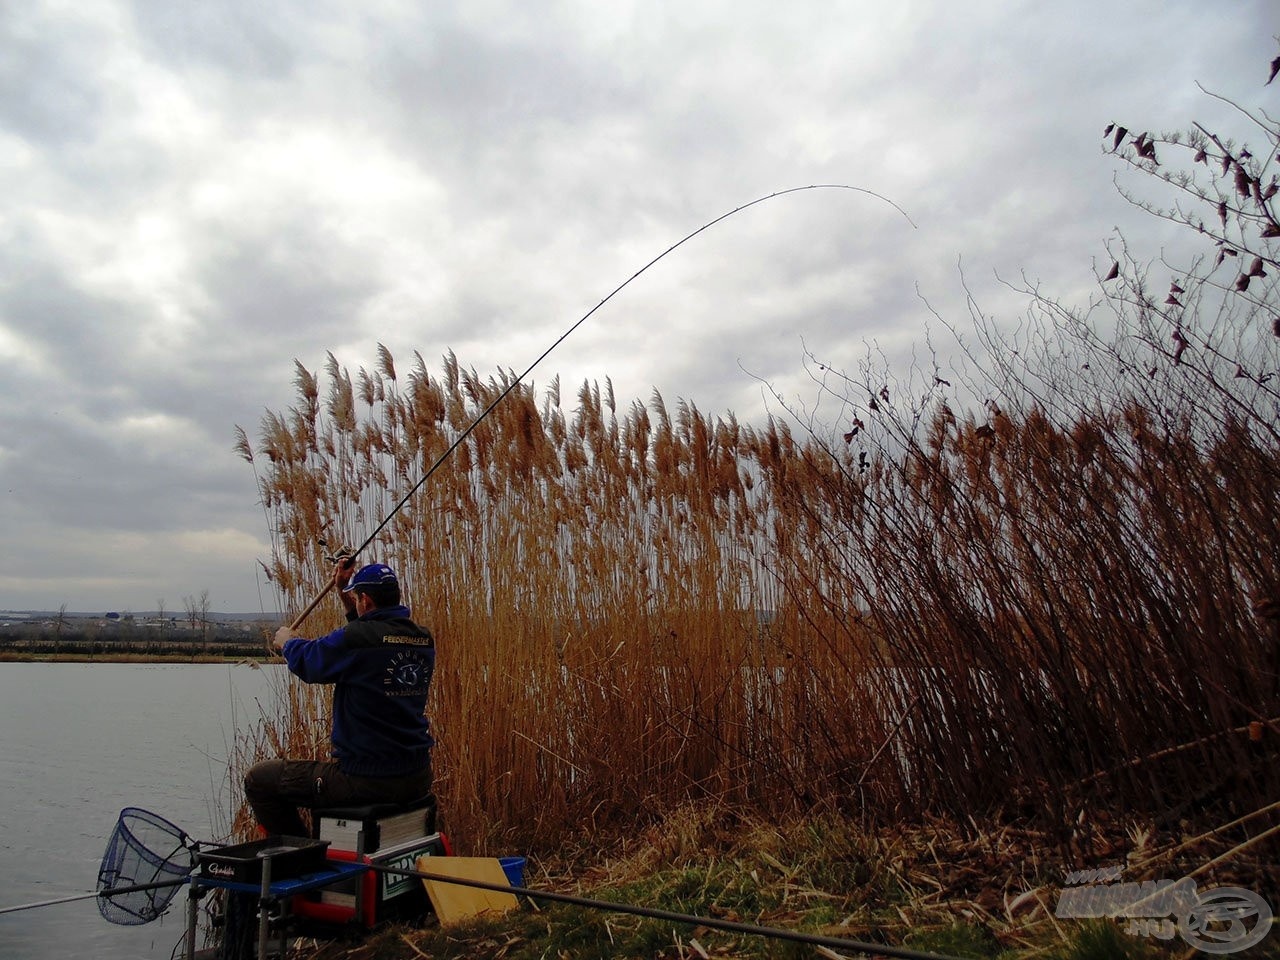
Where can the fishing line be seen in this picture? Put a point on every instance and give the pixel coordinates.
(559, 340)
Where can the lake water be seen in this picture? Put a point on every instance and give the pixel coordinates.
(78, 743)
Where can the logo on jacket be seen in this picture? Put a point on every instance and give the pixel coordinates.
(407, 675)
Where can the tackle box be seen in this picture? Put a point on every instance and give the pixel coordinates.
(242, 863)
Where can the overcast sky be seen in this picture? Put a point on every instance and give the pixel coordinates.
(197, 194)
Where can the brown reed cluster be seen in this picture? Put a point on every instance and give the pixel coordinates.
(1049, 589)
(641, 608)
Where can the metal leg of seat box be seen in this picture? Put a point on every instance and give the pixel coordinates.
(193, 897)
(266, 900)
(264, 908)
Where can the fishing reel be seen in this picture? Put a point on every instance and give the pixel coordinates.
(342, 554)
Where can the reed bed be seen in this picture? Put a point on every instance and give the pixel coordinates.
(1030, 607)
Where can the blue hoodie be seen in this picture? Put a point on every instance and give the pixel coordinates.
(381, 666)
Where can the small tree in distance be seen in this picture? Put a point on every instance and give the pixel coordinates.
(197, 610)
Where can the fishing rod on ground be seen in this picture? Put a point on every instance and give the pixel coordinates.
(458, 441)
(730, 926)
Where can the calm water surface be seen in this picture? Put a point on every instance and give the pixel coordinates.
(78, 742)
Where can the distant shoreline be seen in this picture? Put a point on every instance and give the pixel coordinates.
(15, 656)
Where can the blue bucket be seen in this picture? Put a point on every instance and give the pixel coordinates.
(513, 867)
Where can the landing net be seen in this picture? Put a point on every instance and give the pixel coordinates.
(144, 849)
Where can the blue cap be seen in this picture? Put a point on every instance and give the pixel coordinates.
(374, 575)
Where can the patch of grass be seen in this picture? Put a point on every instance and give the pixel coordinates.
(833, 854)
(1102, 940)
(958, 940)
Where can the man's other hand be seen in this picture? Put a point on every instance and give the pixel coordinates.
(283, 635)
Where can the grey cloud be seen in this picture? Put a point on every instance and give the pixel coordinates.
(83, 470)
(297, 284)
(68, 325)
(245, 37)
(69, 456)
(49, 93)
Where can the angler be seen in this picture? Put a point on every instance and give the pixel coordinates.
(381, 665)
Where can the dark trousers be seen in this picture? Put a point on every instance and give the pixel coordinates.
(276, 789)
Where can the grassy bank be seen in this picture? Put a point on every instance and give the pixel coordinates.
(937, 887)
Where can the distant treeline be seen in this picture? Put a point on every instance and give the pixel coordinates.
(125, 640)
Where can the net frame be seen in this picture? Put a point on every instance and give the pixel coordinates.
(145, 850)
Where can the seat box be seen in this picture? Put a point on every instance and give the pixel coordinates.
(369, 829)
(382, 896)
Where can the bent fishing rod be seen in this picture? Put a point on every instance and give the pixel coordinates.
(461, 438)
